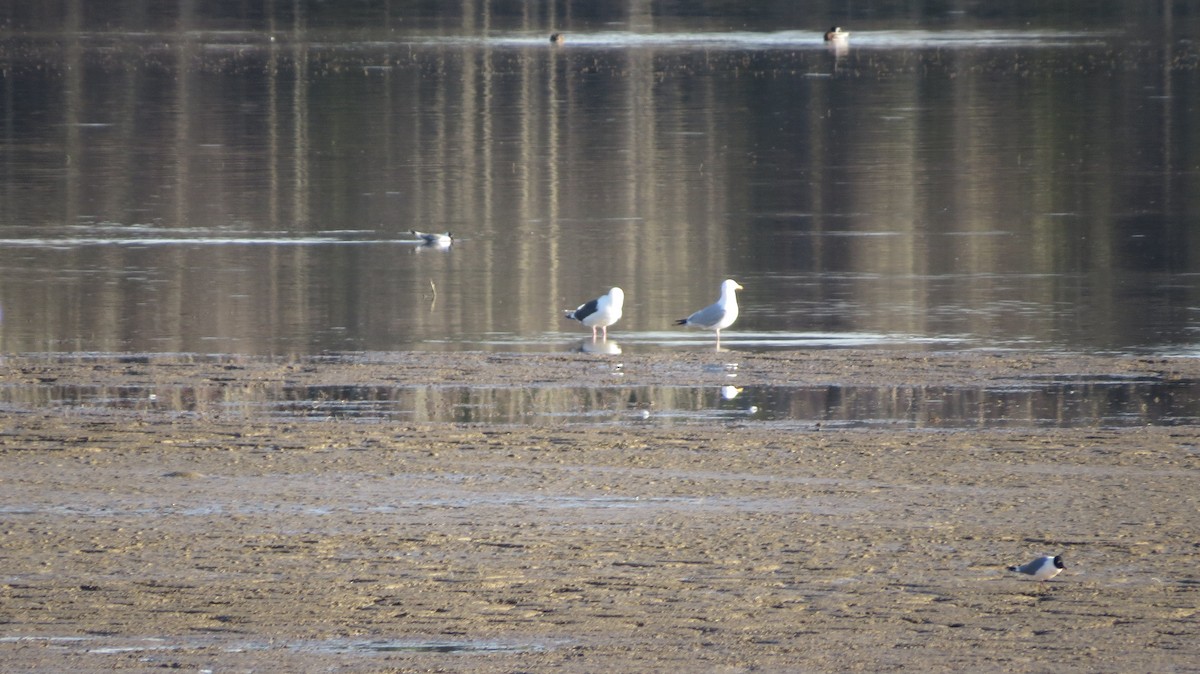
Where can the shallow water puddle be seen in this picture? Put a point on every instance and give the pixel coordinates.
(429, 647)
(1107, 401)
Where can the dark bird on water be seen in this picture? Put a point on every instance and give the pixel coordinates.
(836, 34)
(441, 240)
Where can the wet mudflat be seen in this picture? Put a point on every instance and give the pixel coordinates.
(210, 537)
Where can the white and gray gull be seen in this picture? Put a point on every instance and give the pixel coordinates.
(1042, 568)
(717, 316)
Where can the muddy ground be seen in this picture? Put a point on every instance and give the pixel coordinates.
(142, 538)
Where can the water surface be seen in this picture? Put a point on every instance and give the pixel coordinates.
(1066, 402)
(246, 183)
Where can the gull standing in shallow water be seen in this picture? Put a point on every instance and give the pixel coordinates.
(600, 312)
(1042, 568)
(717, 316)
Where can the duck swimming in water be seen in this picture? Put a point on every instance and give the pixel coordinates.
(439, 240)
(836, 34)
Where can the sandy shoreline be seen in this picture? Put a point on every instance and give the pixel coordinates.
(137, 540)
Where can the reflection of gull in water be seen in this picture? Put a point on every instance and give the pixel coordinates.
(605, 347)
(600, 312)
(717, 316)
(730, 392)
(438, 240)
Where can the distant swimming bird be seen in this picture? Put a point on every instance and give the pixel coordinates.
(442, 240)
(556, 38)
(717, 316)
(600, 312)
(836, 34)
(1042, 568)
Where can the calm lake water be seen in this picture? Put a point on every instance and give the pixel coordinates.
(244, 181)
